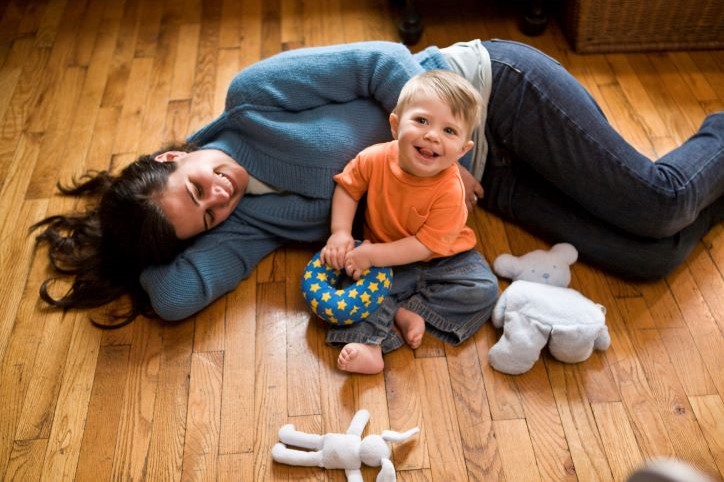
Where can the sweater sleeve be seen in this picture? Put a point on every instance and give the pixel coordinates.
(306, 78)
(212, 266)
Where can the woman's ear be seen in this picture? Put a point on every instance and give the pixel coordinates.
(394, 124)
(169, 156)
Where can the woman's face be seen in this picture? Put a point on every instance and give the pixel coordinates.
(203, 191)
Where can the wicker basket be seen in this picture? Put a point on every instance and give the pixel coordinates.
(639, 25)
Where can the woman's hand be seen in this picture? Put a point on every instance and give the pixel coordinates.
(338, 244)
(473, 188)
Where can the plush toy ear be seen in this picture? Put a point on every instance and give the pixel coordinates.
(392, 436)
(565, 252)
(507, 266)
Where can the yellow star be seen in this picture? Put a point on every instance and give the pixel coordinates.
(374, 287)
(354, 310)
(341, 305)
(326, 296)
(317, 263)
(328, 312)
(365, 314)
(322, 276)
(348, 321)
(339, 292)
(365, 297)
(353, 293)
(315, 305)
(381, 276)
(380, 299)
(315, 287)
(387, 283)
(307, 274)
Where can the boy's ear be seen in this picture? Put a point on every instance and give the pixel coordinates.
(468, 145)
(394, 124)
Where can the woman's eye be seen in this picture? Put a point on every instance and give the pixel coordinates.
(210, 217)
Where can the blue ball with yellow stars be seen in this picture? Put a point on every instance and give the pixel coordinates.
(348, 305)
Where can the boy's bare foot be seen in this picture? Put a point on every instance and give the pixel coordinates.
(411, 325)
(361, 358)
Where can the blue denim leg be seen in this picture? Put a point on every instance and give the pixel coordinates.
(556, 167)
(454, 295)
(545, 118)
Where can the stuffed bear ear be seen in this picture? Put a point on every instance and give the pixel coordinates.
(506, 265)
(566, 252)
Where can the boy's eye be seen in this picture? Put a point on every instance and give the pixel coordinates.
(450, 130)
(198, 191)
(421, 120)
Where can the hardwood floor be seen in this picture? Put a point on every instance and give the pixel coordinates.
(91, 84)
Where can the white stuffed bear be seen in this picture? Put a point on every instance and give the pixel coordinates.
(537, 309)
(548, 267)
(346, 451)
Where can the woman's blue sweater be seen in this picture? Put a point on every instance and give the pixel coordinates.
(293, 121)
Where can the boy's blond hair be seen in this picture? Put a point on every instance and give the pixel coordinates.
(455, 90)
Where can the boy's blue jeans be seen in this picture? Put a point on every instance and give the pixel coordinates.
(454, 295)
(557, 167)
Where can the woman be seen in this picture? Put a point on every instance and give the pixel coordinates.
(182, 227)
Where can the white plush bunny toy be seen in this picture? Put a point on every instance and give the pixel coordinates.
(346, 451)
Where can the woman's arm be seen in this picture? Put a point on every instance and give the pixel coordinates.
(214, 265)
(306, 78)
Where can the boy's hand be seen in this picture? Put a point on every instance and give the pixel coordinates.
(359, 259)
(334, 252)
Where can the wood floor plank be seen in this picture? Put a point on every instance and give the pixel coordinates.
(238, 426)
(66, 432)
(579, 424)
(270, 403)
(91, 84)
(473, 412)
(173, 402)
(404, 400)
(619, 441)
(682, 429)
(444, 443)
(699, 319)
(516, 450)
(104, 411)
(709, 411)
(200, 448)
(139, 398)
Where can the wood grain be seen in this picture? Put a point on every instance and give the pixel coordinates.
(92, 84)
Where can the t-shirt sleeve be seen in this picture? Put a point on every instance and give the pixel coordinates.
(356, 175)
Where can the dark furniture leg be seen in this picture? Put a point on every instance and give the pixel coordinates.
(410, 27)
(533, 20)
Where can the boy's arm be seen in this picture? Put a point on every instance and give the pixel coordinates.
(403, 251)
(341, 241)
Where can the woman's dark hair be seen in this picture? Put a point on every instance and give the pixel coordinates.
(122, 231)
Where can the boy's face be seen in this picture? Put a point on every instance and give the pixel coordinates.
(431, 139)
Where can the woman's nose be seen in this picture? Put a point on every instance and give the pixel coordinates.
(218, 195)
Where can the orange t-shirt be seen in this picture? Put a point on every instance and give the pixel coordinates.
(400, 205)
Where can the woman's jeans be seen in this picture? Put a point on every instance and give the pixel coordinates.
(557, 167)
(454, 295)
